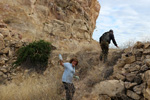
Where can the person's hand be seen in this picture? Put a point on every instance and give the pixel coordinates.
(61, 62)
(77, 77)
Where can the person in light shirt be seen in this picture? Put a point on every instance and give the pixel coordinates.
(68, 75)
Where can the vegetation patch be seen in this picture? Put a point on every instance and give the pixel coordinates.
(36, 53)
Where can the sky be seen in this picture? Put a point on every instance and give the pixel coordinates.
(129, 19)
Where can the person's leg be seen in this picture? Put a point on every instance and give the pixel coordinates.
(102, 51)
(72, 90)
(101, 56)
(106, 51)
(67, 88)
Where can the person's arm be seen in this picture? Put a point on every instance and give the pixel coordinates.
(113, 39)
(61, 62)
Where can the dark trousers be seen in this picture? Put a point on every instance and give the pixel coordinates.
(70, 90)
(104, 53)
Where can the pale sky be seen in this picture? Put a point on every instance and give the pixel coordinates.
(130, 20)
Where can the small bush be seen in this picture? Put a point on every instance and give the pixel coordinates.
(37, 53)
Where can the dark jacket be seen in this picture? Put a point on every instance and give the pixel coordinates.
(108, 36)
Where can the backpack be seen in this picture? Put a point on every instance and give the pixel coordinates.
(105, 37)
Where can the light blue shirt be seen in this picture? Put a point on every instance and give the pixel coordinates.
(68, 73)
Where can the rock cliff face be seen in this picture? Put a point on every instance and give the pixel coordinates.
(62, 22)
(65, 23)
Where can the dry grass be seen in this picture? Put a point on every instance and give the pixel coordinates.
(37, 88)
(128, 44)
(88, 47)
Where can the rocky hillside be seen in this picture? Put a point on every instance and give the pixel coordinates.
(129, 78)
(68, 25)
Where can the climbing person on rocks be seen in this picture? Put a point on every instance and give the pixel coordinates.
(68, 75)
(104, 42)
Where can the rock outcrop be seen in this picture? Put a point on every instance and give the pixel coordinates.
(133, 70)
(64, 23)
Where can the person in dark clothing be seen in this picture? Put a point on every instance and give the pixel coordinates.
(104, 41)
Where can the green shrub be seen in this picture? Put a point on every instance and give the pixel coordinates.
(37, 53)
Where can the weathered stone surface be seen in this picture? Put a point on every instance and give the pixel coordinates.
(2, 42)
(144, 68)
(147, 61)
(104, 97)
(138, 45)
(1, 79)
(110, 87)
(2, 62)
(119, 76)
(138, 79)
(147, 46)
(138, 53)
(5, 50)
(4, 76)
(130, 60)
(119, 65)
(127, 66)
(129, 85)
(134, 68)
(139, 88)
(147, 56)
(146, 93)
(1, 73)
(52, 20)
(146, 77)
(130, 76)
(146, 52)
(3, 70)
(133, 95)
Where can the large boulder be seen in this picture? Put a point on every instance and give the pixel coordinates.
(109, 87)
